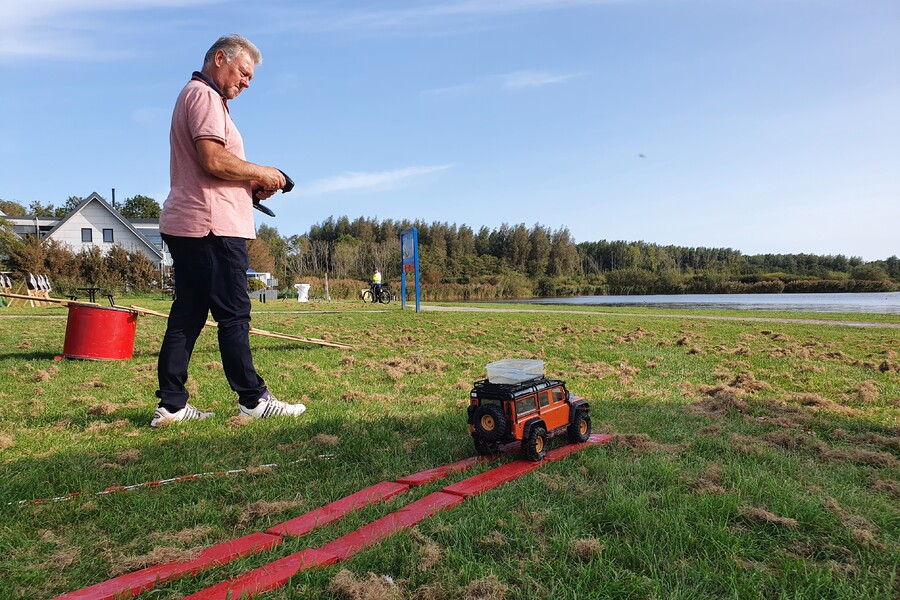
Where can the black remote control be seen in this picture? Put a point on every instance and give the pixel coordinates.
(288, 186)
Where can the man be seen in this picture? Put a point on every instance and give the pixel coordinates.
(376, 285)
(206, 222)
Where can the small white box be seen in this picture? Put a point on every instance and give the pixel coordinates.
(514, 370)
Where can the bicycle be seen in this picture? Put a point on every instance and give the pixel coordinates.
(377, 294)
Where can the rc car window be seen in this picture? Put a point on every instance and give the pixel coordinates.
(525, 405)
(544, 398)
(558, 395)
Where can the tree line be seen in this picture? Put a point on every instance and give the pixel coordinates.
(514, 260)
(136, 207)
(458, 262)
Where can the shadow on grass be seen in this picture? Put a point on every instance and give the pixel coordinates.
(124, 450)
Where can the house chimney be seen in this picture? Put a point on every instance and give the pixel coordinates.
(114, 197)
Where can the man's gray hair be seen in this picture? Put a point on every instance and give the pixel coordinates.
(232, 45)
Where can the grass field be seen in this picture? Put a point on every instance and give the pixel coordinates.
(750, 459)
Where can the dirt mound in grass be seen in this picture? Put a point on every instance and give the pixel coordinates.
(859, 456)
(804, 440)
(371, 587)
(262, 508)
(596, 370)
(761, 515)
(642, 443)
(860, 528)
(709, 481)
(869, 437)
(886, 486)
(723, 400)
(586, 549)
(747, 382)
(816, 403)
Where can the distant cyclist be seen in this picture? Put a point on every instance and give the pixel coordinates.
(376, 283)
(376, 292)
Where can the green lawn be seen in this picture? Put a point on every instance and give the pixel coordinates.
(751, 459)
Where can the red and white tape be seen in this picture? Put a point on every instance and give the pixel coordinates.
(156, 484)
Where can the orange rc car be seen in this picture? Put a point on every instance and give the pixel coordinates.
(529, 411)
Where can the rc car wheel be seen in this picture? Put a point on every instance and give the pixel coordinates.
(490, 422)
(580, 429)
(367, 296)
(485, 448)
(534, 447)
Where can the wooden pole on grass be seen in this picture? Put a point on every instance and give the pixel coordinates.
(282, 336)
(147, 312)
(47, 299)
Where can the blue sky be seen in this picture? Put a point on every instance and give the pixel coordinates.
(760, 125)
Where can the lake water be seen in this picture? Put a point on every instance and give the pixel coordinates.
(870, 302)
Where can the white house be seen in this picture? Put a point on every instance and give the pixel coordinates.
(96, 223)
(262, 276)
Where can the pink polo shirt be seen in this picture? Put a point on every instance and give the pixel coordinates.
(200, 203)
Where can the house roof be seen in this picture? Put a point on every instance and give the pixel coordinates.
(95, 197)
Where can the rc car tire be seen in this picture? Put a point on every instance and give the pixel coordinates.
(534, 447)
(580, 429)
(490, 422)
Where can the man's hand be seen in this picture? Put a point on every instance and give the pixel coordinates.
(260, 192)
(270, 180)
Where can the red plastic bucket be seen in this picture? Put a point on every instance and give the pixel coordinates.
(99, 333)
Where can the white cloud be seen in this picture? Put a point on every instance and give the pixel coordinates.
(18, 14)
(64, 28)
(425, 13)
(451, 90)
(528, 79)
(68, 28)
(517, 80)
(364, 181)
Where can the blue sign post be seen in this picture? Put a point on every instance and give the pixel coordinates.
(409, 263)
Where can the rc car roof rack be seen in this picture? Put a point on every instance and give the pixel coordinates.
(485, 389)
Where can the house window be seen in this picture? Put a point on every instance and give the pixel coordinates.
(87, 235)
(108, 236)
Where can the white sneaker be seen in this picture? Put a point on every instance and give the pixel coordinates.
(163, 417)
(270, 406)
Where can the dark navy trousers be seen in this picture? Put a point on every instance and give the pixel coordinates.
(210, 276)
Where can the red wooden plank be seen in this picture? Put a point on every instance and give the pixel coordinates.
(490, 479)
(430, 504)
(132, 584)
(423, 477)
(367, 535)
(266, 577)
(305, 523)
(370, 495)
(332, 512)
(505, 473)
